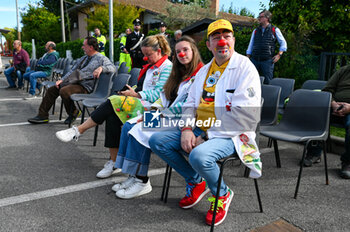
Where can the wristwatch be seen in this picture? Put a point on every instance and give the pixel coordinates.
(204, 136)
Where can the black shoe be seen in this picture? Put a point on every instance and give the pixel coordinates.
(71, 118)
(21, 87)
(345, 170)
(11, 87)
(38, 120)
(311, 159)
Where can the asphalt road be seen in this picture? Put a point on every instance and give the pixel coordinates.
(47, 185)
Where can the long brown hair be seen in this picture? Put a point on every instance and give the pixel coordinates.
(157, 42)
(179, 71)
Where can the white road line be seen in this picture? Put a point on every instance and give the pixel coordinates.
(68, 189)
(24, 123)
(19, 99)
(27, 123)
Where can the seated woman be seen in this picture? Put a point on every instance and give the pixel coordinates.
(134, 152)
(150, 84)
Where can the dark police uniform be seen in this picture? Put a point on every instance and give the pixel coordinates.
(136, 54)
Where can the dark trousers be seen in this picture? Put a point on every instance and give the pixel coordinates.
(316, 149)
(265, 69)
(106, 113)
(65, 93)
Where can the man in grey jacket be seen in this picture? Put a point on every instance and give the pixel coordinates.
(90, 67)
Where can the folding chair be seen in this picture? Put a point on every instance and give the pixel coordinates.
(134, 76)
(122, 68)
(305, 119)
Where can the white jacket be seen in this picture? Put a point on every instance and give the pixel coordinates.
(239, 112)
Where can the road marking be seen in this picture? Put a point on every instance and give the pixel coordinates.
(28, 123)
(68, 189)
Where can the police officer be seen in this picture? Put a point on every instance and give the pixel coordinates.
(162, 29)
(101, 40)
(132, 45)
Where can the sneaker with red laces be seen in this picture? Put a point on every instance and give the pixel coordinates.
(222, 209)
(195, 193)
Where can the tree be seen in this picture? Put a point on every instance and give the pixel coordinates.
(10, 37)
(202, 3)
(323, 25)
(41, 25)
(183, 15)
(123, 15)
(54, 6)
(237, 11)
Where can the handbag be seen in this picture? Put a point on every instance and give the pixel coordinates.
(72, 79)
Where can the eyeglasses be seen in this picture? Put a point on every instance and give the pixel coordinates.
(263, 16)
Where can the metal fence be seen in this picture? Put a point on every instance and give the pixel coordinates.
(331, 62)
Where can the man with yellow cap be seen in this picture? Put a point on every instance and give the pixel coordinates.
(219, 118)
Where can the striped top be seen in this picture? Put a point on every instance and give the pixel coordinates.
(155, 80)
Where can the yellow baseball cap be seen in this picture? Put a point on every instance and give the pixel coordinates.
(219, 24)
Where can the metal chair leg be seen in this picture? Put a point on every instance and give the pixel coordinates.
(82, 115)
(217, 196)
(269, 143)
(325, 161)
(165, 181)
(167, 185)
(61, 111)
(258, 195)
(95, 136)
(277, 154)
(301, 169)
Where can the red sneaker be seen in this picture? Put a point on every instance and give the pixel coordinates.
(195, 193)
(222, 209)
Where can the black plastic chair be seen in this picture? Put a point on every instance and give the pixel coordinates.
(102, 90)
(306, 119)
(287, 86)
(122, 68)
(119, 81)
(134, 76)
(314, 84)
(269, 112)
(262, 78)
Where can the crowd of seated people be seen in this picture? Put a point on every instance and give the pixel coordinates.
(179, 90)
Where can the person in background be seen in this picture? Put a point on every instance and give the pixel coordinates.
(101, 40)
(20, 63)
(177, 36)
(89, 67)
(133, 47)
(42, 69)
(162, 29)
(124, 54)
(261, 49)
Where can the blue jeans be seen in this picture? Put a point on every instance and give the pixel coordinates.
(8, 73)
(201, 161)
(32, 77)
(265, 68)
(133, 158)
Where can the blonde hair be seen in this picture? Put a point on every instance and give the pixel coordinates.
(157, 42)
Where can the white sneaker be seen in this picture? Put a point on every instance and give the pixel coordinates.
(107, 170)
(68, 134)
(126, 183)
(137, 188)
(30, 96)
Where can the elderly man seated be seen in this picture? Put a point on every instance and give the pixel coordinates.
(339, 86)
(89, 68)
(42, 69)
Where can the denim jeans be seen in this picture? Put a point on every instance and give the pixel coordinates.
(32, 77)
(12, 82)
(133, 158)
(265, 68)
(201, 161)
